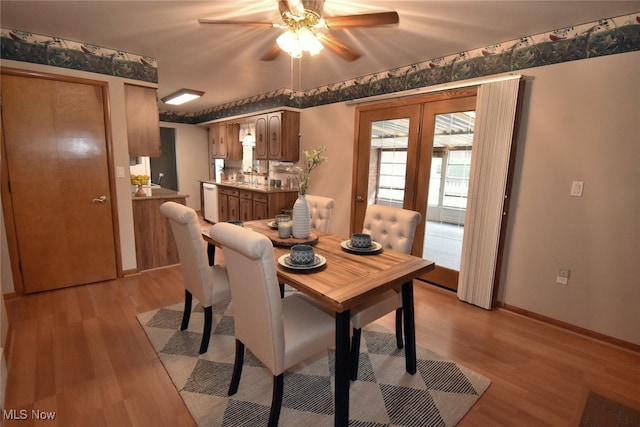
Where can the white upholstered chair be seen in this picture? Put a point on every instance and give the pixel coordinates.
(320, 211)
(280, 332)
(208, 284)
(393, 228)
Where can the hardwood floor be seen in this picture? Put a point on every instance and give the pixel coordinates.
(81, 353)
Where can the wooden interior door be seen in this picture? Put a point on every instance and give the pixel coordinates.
(55, 138)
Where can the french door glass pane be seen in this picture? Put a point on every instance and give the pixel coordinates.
(448, 188)
(388, 162)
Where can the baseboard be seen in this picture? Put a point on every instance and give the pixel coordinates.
(573, 328)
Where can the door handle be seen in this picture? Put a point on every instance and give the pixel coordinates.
(101, 199)
(359, 199)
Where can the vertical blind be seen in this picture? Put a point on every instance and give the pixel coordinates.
(495, 121)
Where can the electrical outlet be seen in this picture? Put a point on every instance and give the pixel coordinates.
(563, 276)
(576, 188)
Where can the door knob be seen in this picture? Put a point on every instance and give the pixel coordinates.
(101, 199)
(359, 199)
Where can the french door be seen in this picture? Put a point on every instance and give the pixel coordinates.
(416, 155)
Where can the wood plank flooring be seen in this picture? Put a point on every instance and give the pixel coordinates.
(81, 353)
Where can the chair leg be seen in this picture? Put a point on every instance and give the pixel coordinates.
(355, 353)
(399, 329)
(276, 401)
(237, 368)
(187, 310)
(281, 290)
(206, 334)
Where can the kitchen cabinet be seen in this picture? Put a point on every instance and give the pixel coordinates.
(228, 204)
(251, 203)
(246, 206)
(260, 206)
(278, 136)
(224, 141)
(143, 121)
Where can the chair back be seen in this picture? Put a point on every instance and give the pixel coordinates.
(320, 211)
(255, 292)
(192, 250)
(393, 228)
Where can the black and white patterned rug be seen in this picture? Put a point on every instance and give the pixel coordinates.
(439, 394)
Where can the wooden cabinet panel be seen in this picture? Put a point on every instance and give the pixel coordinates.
(228, 204)
(155, 246)
(246, 206)
(224, 141)
(261, 150)
(143, 121)
(274, 123)
(277, 136)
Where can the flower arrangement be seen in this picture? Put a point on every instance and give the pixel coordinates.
(312, 161)
(139, 179)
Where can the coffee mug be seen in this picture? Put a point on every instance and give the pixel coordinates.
(361, 240)
(302, 254)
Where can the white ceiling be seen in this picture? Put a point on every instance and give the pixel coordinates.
(224, 61)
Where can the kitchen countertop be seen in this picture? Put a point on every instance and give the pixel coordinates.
(154, 193)
(259, 189)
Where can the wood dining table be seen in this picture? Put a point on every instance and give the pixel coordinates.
(345, 282)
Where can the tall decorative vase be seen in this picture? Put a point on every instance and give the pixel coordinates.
(301, 218)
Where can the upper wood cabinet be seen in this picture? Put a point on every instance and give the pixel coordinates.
(278, 136)
(143, 122)
(224, 141)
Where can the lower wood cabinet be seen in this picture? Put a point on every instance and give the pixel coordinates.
(247, 204)
(155, 246)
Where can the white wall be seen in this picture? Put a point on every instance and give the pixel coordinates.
(332, 126)
(580, 122)
(192, 160)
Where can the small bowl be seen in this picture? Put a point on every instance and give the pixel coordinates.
(302, 254)
(361, 240)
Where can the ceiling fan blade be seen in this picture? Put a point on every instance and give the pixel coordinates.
(336, 46)
(271, 54)
(364, 20)
(226, 22)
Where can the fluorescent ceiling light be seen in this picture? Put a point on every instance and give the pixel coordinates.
(181, 96)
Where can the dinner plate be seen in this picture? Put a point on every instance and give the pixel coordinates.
(273, 224)
(373, 249)
(319, 261)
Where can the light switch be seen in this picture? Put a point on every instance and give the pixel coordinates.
(576, 188)
(119, 171)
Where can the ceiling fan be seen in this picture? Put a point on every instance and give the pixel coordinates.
(306, 28)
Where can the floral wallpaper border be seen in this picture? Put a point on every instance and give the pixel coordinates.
(606, 36)
(47, 50)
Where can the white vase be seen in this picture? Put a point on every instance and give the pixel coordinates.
(301, 218)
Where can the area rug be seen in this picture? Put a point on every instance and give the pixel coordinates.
(439, 394)
(600, 411)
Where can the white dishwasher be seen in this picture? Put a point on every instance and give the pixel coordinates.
(210, 194)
